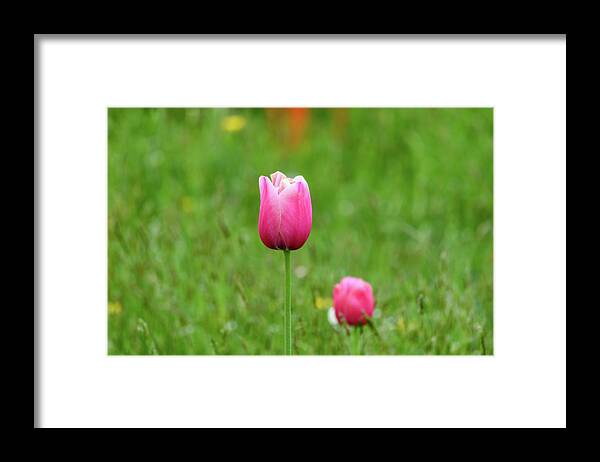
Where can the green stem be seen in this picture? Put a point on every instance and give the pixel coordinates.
(355, 340)
(287, 310)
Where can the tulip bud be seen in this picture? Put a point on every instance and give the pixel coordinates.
(353, 301)
(285, 217)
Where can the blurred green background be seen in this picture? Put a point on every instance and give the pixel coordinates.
(401, 198)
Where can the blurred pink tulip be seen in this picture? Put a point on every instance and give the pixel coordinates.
(285, 217)
(352, 300)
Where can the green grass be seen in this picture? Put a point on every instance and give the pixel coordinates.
(401, 198)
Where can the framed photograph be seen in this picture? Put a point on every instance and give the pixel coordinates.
(321, 219)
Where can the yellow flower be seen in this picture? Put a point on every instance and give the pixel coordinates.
(233, 123)
(401, 325)
(114, 308)
(187, 204)
(322, 303)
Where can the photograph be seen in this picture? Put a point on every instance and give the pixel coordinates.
(254, 231)
(300, 231)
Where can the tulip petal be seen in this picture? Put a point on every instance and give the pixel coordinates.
(269, 217)
(359, 306)
(277, 178)
(296, 214)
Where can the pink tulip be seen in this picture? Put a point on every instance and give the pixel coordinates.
(285, 217)
(353, 300)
